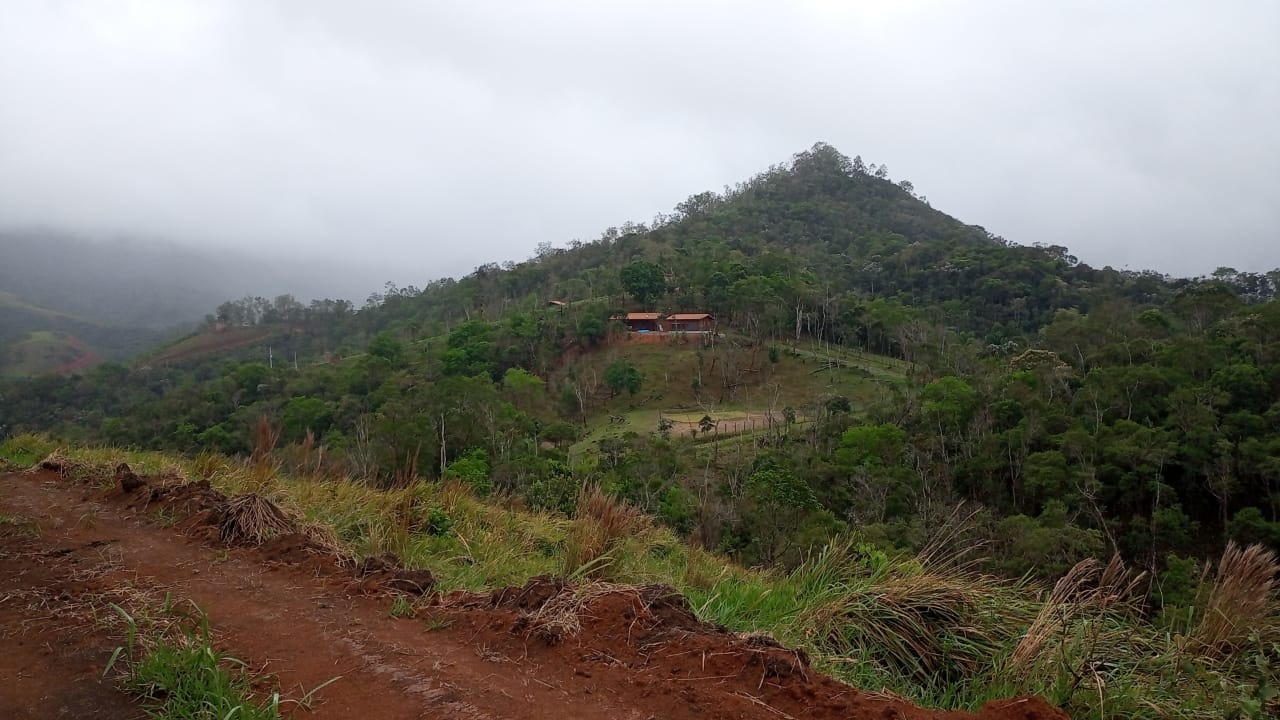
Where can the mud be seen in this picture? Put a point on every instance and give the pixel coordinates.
(300, 615)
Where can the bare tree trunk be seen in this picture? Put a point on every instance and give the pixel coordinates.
(443, 448)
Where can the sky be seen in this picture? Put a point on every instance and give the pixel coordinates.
(406, 140)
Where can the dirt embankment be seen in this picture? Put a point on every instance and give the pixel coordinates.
(300, 616)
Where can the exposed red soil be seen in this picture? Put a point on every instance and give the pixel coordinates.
(296, 613)
(215, 340)
(87, 358)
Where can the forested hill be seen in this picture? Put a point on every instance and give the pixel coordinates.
(902, 364)
(825, 244)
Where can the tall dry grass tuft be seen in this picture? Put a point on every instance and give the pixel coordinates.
(310, 458)
(1088, 590)
(920, 623)
(253, 519)
(956, 544)
(262, 464)
(601, 522)
(1242, 601)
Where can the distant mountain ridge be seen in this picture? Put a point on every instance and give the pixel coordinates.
(119, 297)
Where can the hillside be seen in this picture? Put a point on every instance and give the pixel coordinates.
(36, 340)
(439, 586)
(879, 375)
(118, 298)
(966, 369)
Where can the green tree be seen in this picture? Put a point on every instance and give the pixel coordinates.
(472, 468)
(622, 375)
(777, 507)
(469, 350)
(644, 280)
(305, 413)
(387, 346)
(527, 391)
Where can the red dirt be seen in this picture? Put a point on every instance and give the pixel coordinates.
(214, 341)
(87, 359)
(292, 611)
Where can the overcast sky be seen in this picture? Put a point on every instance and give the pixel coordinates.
(429, 137)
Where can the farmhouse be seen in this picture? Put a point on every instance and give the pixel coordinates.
(652, 322)
(691, 322)
(642, 322)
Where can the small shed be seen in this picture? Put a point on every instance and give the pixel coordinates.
(642, 321)
(691, 322)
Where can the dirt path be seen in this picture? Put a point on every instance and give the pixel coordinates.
(639, 653)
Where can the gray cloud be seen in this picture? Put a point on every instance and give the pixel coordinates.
(427, 138)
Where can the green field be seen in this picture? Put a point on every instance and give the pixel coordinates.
(798, 379)
(695, 417)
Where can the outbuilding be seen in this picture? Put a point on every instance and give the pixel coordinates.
(691, 322)
(642, 321)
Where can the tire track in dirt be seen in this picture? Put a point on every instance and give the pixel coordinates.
(639, 654)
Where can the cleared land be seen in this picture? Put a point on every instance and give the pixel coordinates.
(45, 351)
(683, 382)
(212, 341)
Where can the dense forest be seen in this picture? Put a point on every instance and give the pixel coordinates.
(1046, 411)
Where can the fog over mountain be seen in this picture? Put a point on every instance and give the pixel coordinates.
(408, 141)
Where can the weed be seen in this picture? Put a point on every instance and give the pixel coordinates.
(253, 519)
(1240, 601)
(165, 517)
(180, 676)
(307, 701)
(601, 522)
(15, 526)
(402, 607)
(437, 623)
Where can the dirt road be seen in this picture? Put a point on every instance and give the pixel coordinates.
(68, 549)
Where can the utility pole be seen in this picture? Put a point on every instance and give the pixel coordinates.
(270, 358)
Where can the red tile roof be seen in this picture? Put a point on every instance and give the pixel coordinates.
(691, 316)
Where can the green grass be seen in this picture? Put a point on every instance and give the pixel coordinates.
(936, 634)
(402, 607)
(176, 672)
(798, 379)
(695, 417)
(18, 526)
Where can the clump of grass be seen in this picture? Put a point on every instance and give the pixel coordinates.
(1242, 602)
(57, 462)
(434, 624)
(601, 523)
(13, 526)
(180, 676)
(402, 607)
(561, 616)
(253, 519)
(24, 450)
(263, 465)
(1088, 589)
(926, 626)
